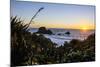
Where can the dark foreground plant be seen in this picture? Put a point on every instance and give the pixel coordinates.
(32, 48)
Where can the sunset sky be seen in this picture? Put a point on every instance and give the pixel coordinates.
(55, 15)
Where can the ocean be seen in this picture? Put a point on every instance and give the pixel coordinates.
(59, 37)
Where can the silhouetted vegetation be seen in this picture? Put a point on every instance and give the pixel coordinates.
(32, 48)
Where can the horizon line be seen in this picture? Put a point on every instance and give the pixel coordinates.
(61, 28)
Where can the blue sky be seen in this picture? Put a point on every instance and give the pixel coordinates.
(55, 15)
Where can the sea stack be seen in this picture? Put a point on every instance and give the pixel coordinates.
(68, 33)
(43, 30)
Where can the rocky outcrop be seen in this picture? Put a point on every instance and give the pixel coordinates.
(43, 30)
(68, 33)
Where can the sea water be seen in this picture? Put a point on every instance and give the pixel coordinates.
(59, 37)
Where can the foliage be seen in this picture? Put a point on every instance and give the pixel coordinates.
(31, 49)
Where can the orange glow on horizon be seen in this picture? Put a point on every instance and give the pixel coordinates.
(86, 25)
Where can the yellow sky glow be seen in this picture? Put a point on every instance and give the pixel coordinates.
(84, 24)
